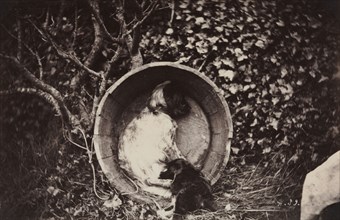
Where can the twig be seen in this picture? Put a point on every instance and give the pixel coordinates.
(40, 84)
(261, 210)
(107, 69)
(252, 174)
(146, 14)
(90, 156)
(35, 54)
(172, 12)
(45, 24)
(47, 97)
(136, 28)
(205, 61)
(256, 191)
(64, 54)
(103, 82)
(19, 53)
(135, 185)
(95, 10)
(97, 43)
(43, 86)
(75, 25)
(89, 151)
(132, 43)
(74, 143)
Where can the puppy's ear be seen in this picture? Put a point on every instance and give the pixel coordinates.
(177, 106)
(179, 165)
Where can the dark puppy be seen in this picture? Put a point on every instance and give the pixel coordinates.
(189, 187)
(177, 106)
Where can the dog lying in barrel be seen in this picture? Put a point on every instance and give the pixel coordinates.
(190, 189)
(149, 139)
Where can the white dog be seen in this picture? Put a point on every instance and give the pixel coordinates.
(148, 141)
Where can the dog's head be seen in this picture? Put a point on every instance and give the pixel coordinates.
(174, 168)
(169, 97)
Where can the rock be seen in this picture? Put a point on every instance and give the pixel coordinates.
(321, 188)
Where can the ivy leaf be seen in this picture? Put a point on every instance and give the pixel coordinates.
(202, 47)
(235, 150)
(219, 29)
(169, 31)
(260, 44)
(199, 20)
(274, 123)
(284, 72)
(227, 74)
(228, 62)
(280, 23)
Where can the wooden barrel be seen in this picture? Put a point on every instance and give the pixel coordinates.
(204, 136)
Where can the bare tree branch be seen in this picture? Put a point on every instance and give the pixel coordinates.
(103, 83)
(173, 7)
(136, 30)
(75, 32)
(69, 119)
(136, 56)
(64, 54)
(146, 14)
(96, 12)
(19, 39)
(97, 43)
(72, 57)
(108, 68)
(35, 54)
(44, 95)
(95, 49)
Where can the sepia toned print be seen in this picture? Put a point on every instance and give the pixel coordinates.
(97, 97)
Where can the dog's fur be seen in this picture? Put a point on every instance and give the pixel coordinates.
(149, 139)
(190, 189)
